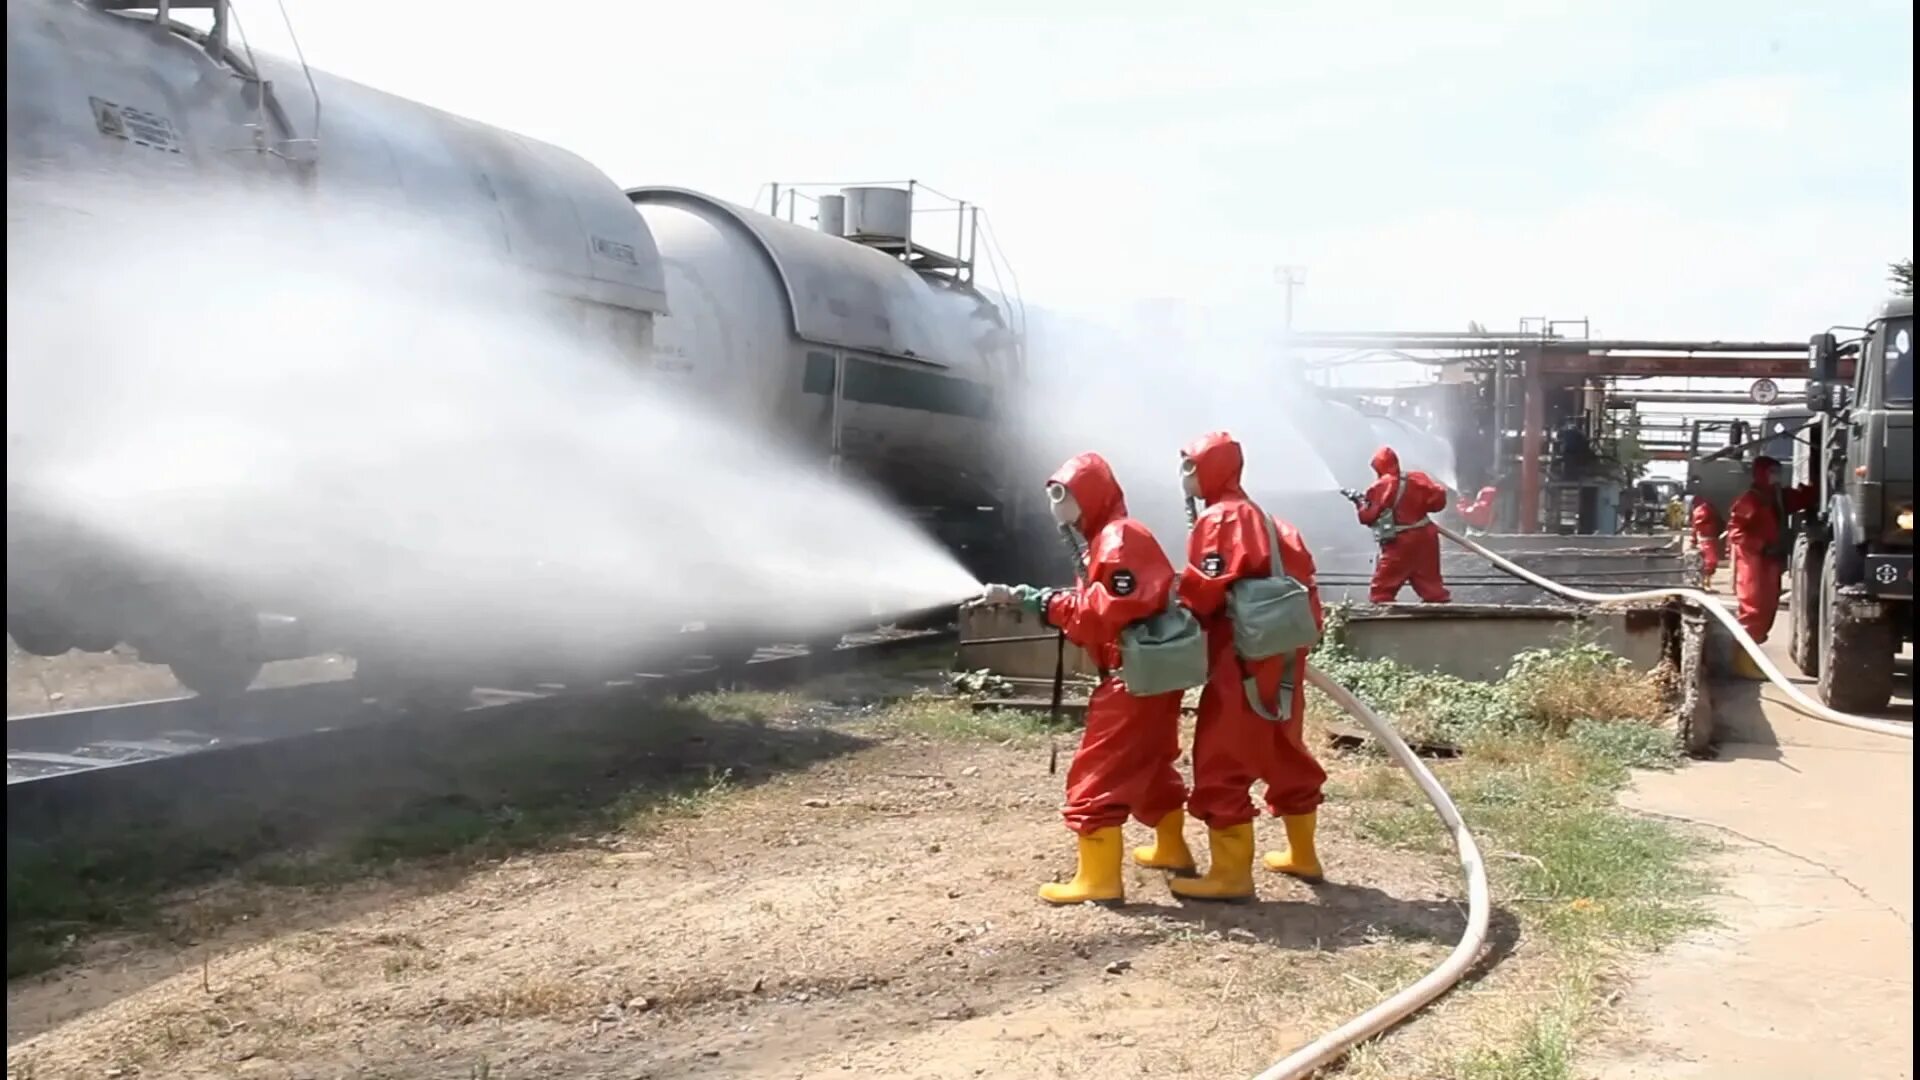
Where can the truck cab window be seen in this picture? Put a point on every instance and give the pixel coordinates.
(1898, 337)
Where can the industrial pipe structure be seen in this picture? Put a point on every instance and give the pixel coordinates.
(1542, 359)
(1369, 339)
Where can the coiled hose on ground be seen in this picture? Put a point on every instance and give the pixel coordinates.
(1334, 1045)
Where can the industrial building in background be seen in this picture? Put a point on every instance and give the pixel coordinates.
(1555, 420)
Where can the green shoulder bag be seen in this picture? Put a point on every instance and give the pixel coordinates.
(1271, 616)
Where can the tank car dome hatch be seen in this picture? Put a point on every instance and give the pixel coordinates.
(843, 295)
(879, 213)
(97, 92)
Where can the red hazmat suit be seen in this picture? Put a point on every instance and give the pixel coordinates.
(1479, 512)
(1758, 540)
(1232, 745)
(1705, 522)
(1125, 763)
(1410, 557)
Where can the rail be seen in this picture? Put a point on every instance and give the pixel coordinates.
(46, 748)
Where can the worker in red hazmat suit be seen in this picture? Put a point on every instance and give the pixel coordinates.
(1396, 509)
(1233, 745)
(1478, 511)
(1125, 764)
(1759, 541)
(1705, 523)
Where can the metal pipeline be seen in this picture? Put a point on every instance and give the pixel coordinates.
(1797, 699)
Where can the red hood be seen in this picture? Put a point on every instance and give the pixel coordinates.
(1090, 479)
(1217, 462)
(1386, 462)
(1765, 469)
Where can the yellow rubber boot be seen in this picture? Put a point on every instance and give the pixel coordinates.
(1169, 849)
(1230, 871)
(1300, 859)
(1744, 666)
(1097, 880)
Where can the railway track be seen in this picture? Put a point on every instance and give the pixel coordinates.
(56, 749)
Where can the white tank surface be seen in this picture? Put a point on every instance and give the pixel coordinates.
(878, 213)
(799, 333)
(91, 91)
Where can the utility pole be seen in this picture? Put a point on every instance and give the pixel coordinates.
(1290, 278)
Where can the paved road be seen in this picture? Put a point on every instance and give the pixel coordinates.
(1812, 973)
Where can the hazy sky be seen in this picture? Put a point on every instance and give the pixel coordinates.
(1704, 168)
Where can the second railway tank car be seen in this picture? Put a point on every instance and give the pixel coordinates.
(897, 378)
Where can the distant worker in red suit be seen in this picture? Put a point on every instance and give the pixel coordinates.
(1758, 537)
(1396, 508)
(1478, 511)
(1705, 523)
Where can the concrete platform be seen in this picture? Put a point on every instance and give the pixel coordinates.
(1598, 563)
(1811, 974)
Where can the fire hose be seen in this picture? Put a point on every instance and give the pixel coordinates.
(1797, 699)
(1330, 1047)
(1335, 1044)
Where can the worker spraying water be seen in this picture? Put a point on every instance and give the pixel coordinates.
(1396, 508)
(1121, 611)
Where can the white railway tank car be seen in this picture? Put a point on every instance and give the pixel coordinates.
(880, 357)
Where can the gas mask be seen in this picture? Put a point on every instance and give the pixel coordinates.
(1189, 477)
(1190, 486)
(1065, 508)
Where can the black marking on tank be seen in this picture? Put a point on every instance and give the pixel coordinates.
(615, 250)
(137, 126)
(870, 382)
(1122, 583)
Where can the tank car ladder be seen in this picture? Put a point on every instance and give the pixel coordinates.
(215, 43)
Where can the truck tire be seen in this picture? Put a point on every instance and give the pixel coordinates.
(1803, 607)
(1856, 656)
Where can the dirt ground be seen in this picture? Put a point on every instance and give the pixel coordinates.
(872, 915)
(78, 680)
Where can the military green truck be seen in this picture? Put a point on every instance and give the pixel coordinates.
(1852, 563)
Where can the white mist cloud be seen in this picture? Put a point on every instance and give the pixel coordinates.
(333, 410)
